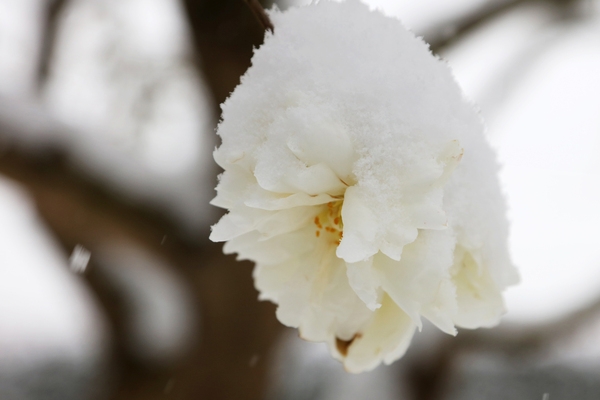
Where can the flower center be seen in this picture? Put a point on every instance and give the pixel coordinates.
(329, 222)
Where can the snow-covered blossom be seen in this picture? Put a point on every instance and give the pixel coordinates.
(358, 179)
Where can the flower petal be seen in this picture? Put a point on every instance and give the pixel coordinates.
(416, 282)
(265, 200)
(278, 249)
(279, 170)
(396, 237)
(386, 339)
(232, 187)
(314, 180)
(480, 302)
(364, 281)
(316, 137)
(284, 221)
(442, 310)
(360, 229)
(238, 221)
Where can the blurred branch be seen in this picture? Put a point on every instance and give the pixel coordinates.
(451, 31)
(225, 33)
(80, 210)
(448, 33)
(260, 14)
(34, 154)
(430, 376)
(535, 339)
(48, 42)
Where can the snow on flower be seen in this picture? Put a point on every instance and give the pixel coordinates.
(358, 179)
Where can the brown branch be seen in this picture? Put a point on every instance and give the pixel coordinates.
(80, 210)
(260, 14)
(225, 33)
(235, 326)
(36, 154)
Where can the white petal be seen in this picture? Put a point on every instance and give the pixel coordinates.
(284, 221)
(364, 281)
(442, 311)
(396, 237)
(239, 220)
(297, 298)
(480, 302)
(275, 250)
(243, 219)
(265, 200)
(279, 170)
(316, 138)
(416, 280)
(396, 282)
(385, 339)
(318, 299)
(232, 187)
(360, 229)
(272, 280)
(314, 180)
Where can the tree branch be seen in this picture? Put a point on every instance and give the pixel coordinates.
(225, 33)
(80, 210)
(448, 33)
(260, 14)
(36, 155)
(535, 339)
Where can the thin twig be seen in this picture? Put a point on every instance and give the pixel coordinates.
(447, 33)
(48, 39)
(260, 14)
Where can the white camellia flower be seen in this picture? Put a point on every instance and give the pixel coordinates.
(358, 179)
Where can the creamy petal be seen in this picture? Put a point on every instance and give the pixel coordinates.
(364, 281)
(416, 280)
(360, 229)
(314, 180)
(318, 299)
(265, 200)
(233, 184)
(480, 302)
(276, 250)
(272, 280)
(279, 170)
(396, 282)
(242, 219)
(338, 309)
(238, 221)
(385, 338)
(396, 237)
(317, 138)
(285, 221)
(442, 310)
